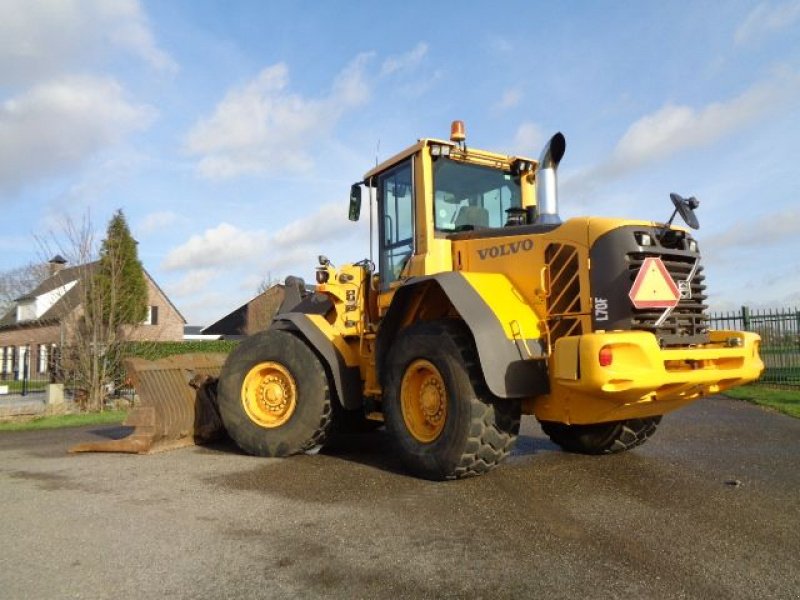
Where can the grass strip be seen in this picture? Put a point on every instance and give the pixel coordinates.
(786, 401)
(109, 417)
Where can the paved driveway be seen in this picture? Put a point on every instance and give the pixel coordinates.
(709, 508)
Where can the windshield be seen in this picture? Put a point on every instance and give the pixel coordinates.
(471, 196)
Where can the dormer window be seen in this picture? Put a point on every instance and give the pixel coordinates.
(29, 309)
(26, 310)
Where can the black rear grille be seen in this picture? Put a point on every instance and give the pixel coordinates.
(687, 323)
(564, 310)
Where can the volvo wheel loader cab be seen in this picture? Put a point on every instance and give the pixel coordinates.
(484, 306)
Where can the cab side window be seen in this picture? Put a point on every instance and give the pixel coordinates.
(396, 200)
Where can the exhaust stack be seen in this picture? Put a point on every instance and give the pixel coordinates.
(547, 180)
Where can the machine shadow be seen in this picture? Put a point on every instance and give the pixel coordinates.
(116, 432)
(376, 450)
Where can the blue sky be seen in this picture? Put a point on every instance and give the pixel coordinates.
(229, 132)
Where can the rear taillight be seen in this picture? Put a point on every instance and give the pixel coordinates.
(605, 356)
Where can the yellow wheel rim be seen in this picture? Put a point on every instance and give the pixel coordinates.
(269, 394)
(423, 401)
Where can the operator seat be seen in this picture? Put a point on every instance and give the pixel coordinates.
(472, 215)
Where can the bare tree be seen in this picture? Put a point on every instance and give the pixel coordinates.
(18, 282)
(266, 283)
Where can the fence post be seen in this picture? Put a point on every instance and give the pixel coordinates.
(797, 329)
(745, 318)
(25, 374)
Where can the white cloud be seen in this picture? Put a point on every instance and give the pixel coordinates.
(45, 38)
(327, 223)
(194, 282)
(57, 125)
(229, 246)
(766, 19)
(509, 99)
(250, 255)
(223, 245)
(156, 221)
(674, 128)
(405, 62)
(130, 30)
(262, 127)
(528, 139)
(55, 114)
(766, 230)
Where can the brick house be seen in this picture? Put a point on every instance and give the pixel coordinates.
(251, 317)
(41, 322)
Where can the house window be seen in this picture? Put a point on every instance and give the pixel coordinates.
(42, 358)
(53, 360)
(23, 362)
(152, 316)
(11, 359)
(5, 360)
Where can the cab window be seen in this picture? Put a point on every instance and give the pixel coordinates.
(396, 200)
(472, 196)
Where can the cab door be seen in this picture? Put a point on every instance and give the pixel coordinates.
(396, 221)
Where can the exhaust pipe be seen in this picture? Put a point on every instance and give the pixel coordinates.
(547, 180)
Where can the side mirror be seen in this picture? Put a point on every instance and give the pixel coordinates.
(355, 202)
(685, 208)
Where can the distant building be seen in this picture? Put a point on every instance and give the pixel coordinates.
(194, 333)
(42, 322)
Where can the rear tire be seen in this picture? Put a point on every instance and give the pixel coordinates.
(601, 438)
(444, 423)
(274, 397)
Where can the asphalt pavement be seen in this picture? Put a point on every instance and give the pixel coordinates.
(708, 508)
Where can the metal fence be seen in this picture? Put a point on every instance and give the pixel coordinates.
(25, 379)
(780, 340)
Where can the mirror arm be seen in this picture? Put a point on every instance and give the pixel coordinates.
(674, 212)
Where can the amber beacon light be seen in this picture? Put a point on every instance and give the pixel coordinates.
(457, 131)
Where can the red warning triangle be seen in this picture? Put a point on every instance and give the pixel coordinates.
(654, 287)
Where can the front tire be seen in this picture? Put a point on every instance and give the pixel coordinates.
(274, 397)
(444, 422)
(601, 438)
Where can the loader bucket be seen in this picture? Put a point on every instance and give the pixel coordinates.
(177, 405)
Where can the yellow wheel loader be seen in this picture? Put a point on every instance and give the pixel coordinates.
(483, 306)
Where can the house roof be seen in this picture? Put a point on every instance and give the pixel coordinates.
(69, 301)
(235, 322)
(63, 306)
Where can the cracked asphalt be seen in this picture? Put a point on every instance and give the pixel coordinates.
(708, 508)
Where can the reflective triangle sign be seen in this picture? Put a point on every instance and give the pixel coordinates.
(654, 287)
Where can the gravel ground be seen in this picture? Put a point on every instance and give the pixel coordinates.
(708, 508)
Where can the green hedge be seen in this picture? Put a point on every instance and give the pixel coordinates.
(156, 350)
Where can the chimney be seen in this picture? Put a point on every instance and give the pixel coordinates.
(56, 264)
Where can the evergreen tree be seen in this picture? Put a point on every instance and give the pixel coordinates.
(119, 278)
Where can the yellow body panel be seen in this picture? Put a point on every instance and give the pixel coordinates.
(349, 349)
(516, 316)
(345, 288)
(643, 379)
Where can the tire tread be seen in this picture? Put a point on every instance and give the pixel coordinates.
(602, 438)
(494, 422)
